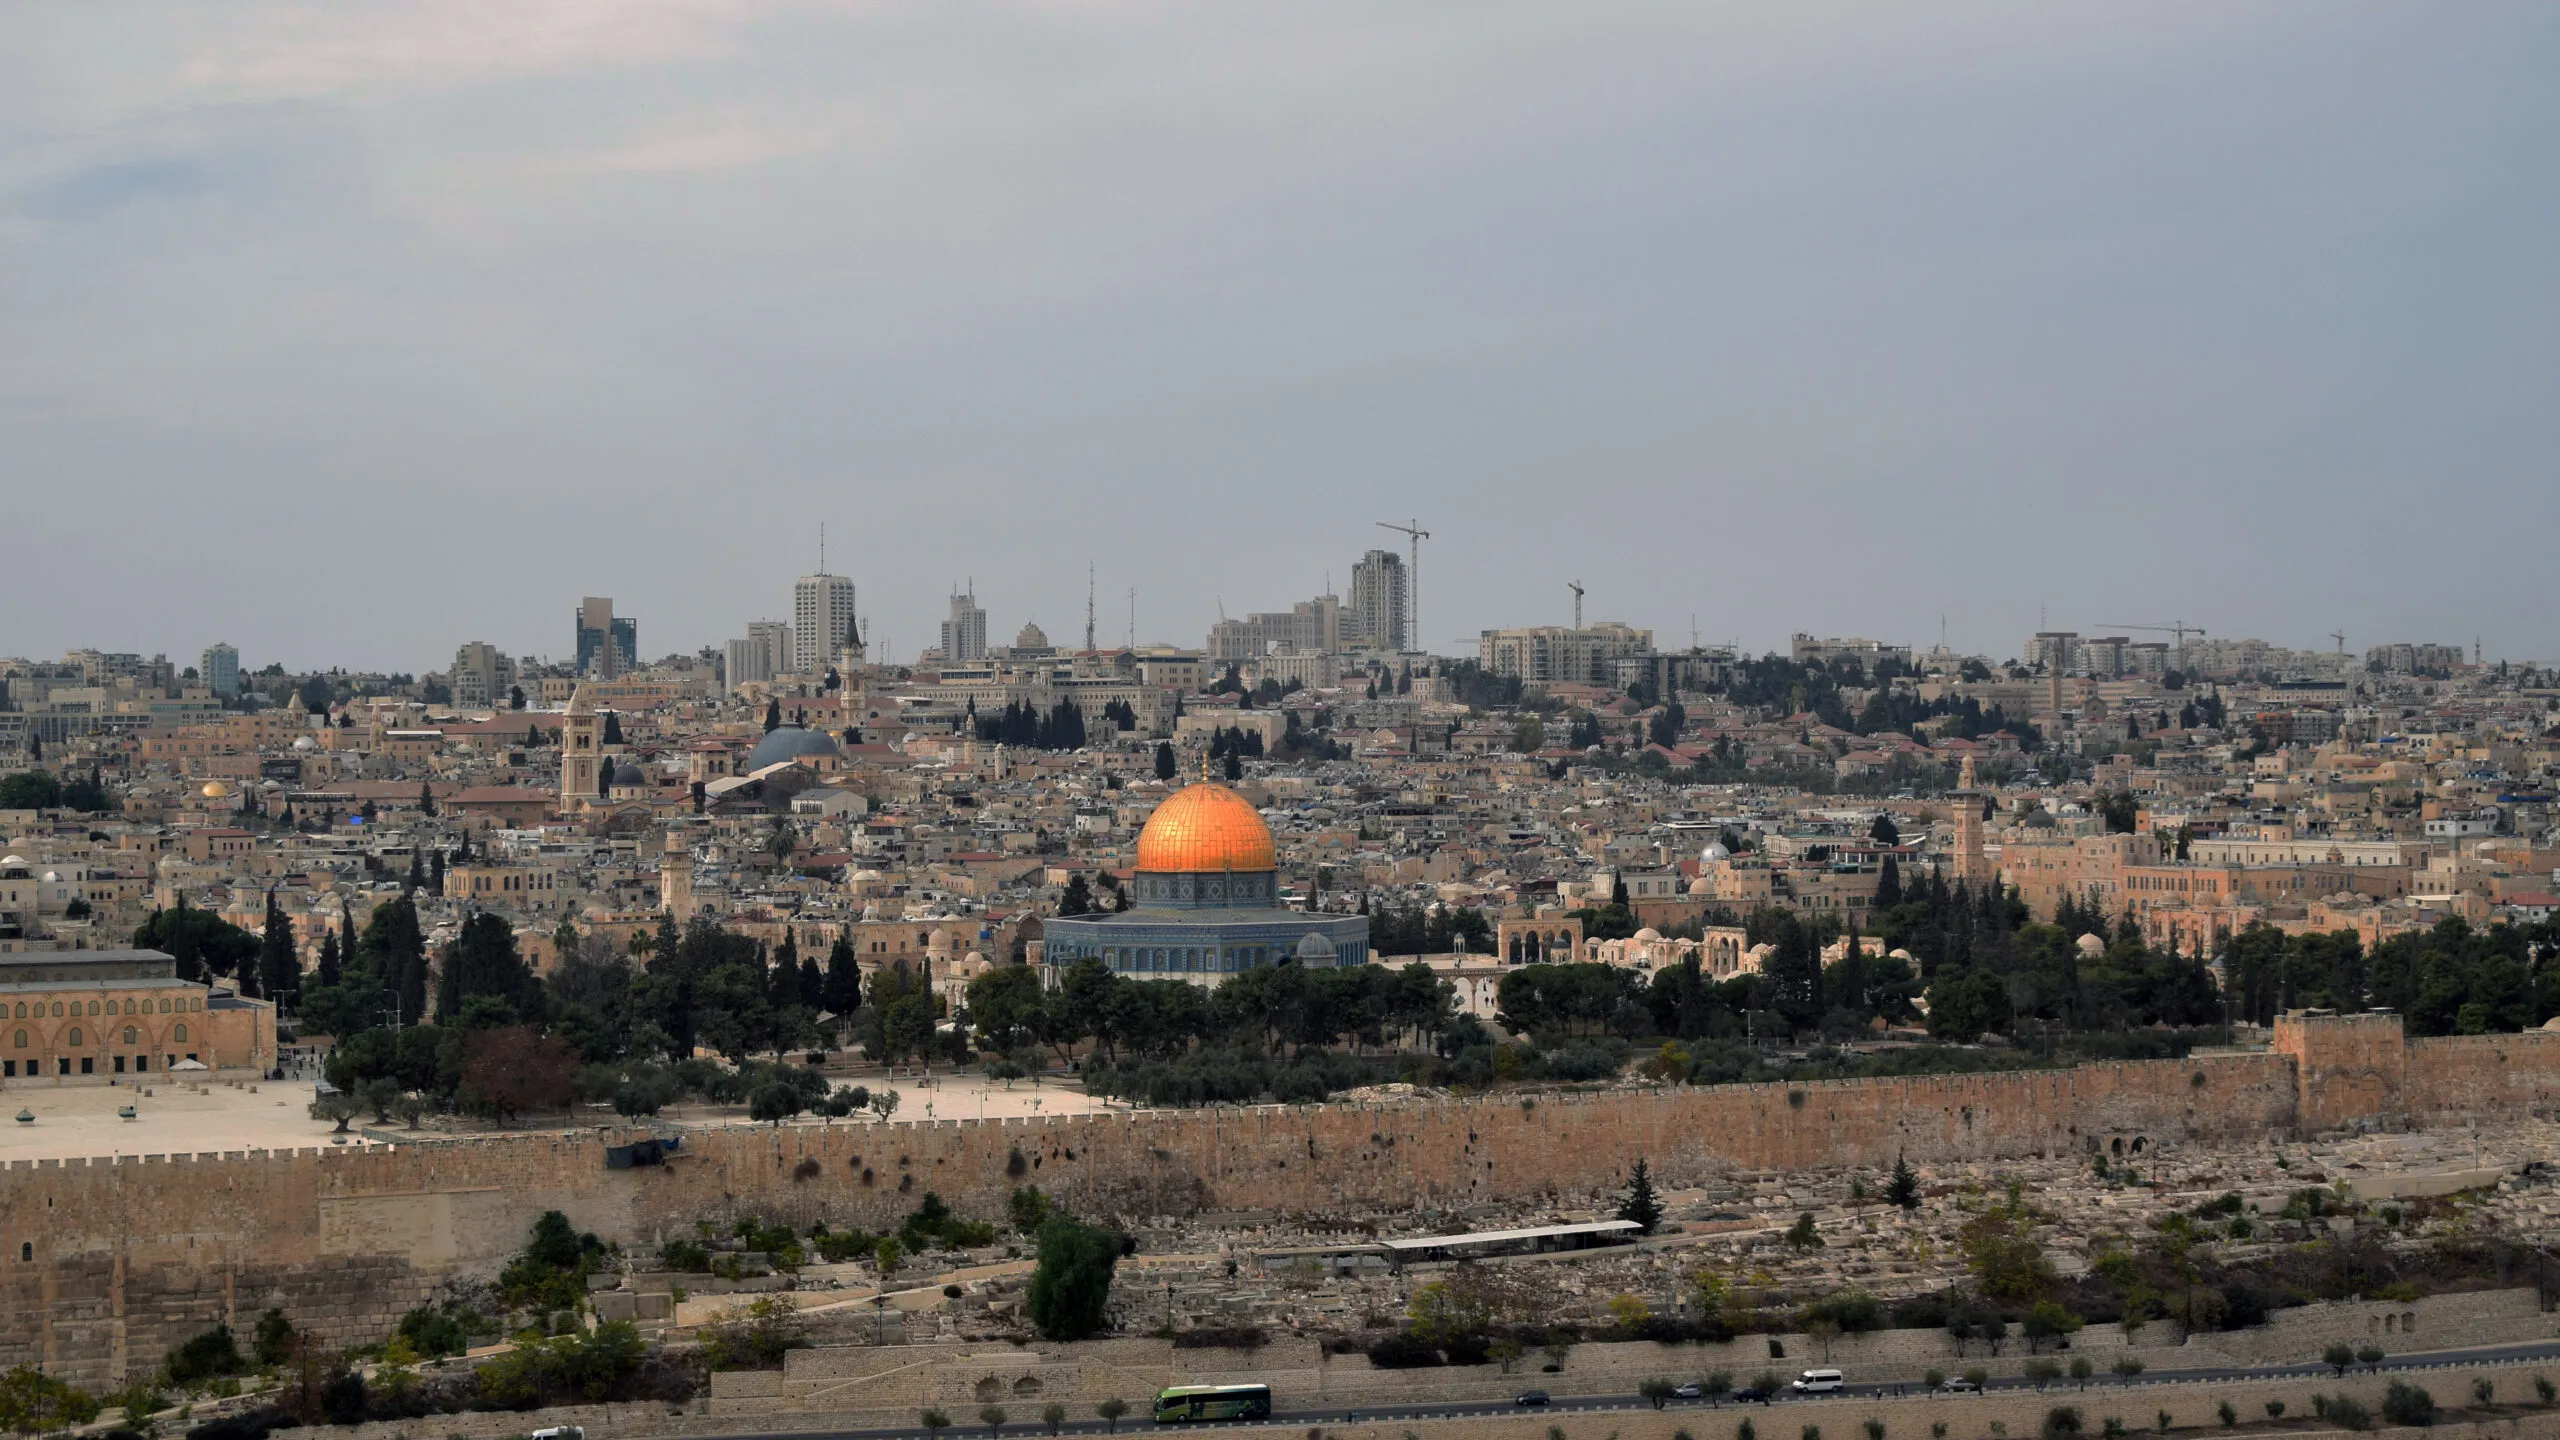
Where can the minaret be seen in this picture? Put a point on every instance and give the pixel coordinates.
(1971, 868)
(581, 757)
(675, 879)
(853, 670)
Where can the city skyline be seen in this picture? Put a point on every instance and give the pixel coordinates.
(2003, 310)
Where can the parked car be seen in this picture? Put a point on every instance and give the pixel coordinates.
(1960, 1386)
(1753, 1395)
(1531, 1397)
(1691, 1391)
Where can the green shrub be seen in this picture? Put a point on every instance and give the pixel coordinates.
(570, 1367)
(2407, 1404)
(2062, 1422)
(2347, 1414)
(204, 1357)
(684, 1257)
(754, 1336)
(31, 1400)
(432, 1332)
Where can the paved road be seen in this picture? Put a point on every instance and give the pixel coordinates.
(1023, 1423)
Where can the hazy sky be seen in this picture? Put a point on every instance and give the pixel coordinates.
(351, 332)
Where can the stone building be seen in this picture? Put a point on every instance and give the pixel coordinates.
(66, 1014)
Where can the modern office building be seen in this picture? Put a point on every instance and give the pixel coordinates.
(221, 669)
(821, 612)
(608, 645)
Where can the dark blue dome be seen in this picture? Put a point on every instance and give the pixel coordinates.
(789, 742)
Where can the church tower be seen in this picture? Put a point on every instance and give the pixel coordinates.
(581, 756)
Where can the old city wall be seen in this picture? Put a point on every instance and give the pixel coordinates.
(104, 1266)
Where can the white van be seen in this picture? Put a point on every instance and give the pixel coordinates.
(1811, 1382)
(561, 1432)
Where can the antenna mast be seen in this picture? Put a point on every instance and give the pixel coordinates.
(1088, 606)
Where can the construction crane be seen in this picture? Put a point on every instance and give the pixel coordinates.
(1576, 587)
(2341, 638)
(1412, 530)
(2176, 629)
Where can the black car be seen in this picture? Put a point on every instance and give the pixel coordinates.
(1531, 1397)
(1752, 1395)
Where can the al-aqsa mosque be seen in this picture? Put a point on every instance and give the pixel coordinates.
(1205, 903)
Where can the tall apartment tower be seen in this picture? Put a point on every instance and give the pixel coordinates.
(608, 644)
(964, 635)
(1379, 596)
(221, 669)
(482, 676)
(766, 652)
(821, 607)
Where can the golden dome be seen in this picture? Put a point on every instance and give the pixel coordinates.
(216, 790)
(1206, 827)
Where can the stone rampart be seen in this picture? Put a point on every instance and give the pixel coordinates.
(105, 1265)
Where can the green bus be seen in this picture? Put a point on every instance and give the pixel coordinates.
(1213, 1402)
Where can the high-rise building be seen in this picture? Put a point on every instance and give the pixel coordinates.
(1379, 597)
(221, 669)
(964, 635)
(767, 651)
(821, 608)
(608, 644)
(482, 676)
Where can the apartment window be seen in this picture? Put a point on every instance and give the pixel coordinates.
(131, 1034)
(182, 1037)
(75, 1035)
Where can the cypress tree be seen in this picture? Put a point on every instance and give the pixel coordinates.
(279, 962)
(1904, 1188)
(1641, 1204)
(842, 994)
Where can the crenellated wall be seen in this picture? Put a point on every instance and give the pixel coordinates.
(107, 1265)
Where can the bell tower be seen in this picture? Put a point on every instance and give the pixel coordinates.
(581, 756)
